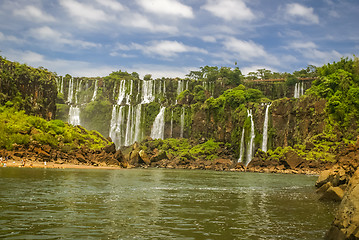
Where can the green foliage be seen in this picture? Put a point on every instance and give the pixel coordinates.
(339, 84)
(291, 80)
(96, 115)
(18, 128)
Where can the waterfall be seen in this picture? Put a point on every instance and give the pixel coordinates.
(95, 92)
(180, 87)
(158, 127)
(137, 124)
(251, 141)
(74, 115)
(147, 94)
(241, 149)
(121, 92)
(265, 129)
(62, 85)
(129, 94)
(298, 90)
(172, 124)
(182, 121)
(128, 135)
(113, 124)
(70, 93)
(301, 92)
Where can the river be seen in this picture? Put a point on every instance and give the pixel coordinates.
(159, 204)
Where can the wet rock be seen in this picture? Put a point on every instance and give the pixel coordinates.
(292, 159)
(346, 222)
(144, 157)
(333, 194)
(160, 155)
(110, 148)
(324, 177)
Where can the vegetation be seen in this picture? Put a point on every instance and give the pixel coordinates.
(338, 83)
(16, 127)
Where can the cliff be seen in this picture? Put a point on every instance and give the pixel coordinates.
(27, 88)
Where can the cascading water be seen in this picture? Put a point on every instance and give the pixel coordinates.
(147, 94)
(251, 141)
(121, 92)
(171, 124)
(129, 94)
(128, 135)
(265, 129)
(74, 115)
(138, 117)
(158, 127)
(70, 93)
(298, 90)
(182, 121)
(301, 91)
(241, 149)
(95, 92)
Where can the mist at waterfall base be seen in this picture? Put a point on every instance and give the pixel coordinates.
(159, 204)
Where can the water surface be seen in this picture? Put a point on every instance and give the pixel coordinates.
(159, 204)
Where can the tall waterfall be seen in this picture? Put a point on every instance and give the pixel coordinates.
(158, 127)
(265, 129)
(171, 124)
(182, 121)
(95, 91)
(298, 90)
(241, 149)
(62, 85)
(74, 115)
(70, 93)
(117, 121)
(147, 92)
(121, 92)
(251, 141)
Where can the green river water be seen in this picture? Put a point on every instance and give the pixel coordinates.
(159, 204)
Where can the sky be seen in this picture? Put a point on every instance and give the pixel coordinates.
(170, 38)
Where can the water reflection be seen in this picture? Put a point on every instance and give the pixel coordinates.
(158, 204)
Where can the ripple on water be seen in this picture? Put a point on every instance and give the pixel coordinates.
(159, 204)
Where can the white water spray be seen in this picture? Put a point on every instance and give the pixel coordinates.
(265, 129)
(74, 115)
(158, 127)
(251, 141)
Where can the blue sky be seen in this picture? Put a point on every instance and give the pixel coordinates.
(169, 38)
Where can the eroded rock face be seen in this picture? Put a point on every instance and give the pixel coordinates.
(346, 223)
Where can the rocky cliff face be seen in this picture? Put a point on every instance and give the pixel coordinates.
(30, 89)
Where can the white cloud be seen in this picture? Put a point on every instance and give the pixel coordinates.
(159, 71)
(302, 45)
(84, 12)
(112, 4)
(167, 7)
(33, 14)
(167, 48)
(254, 68)
(229, 10)
(296, 12)
(137, 20)
(248, 50)
(10, 38)
(310, 51)
(210, 39)
(47, 34)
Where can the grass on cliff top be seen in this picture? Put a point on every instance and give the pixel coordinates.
(16, 127)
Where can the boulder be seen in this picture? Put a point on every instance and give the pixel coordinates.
(346, 222)
(293, 159)
(110, 148)
(324, 177)
(160, 155)
(333, 194)
(144, 157)
(324, 187)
